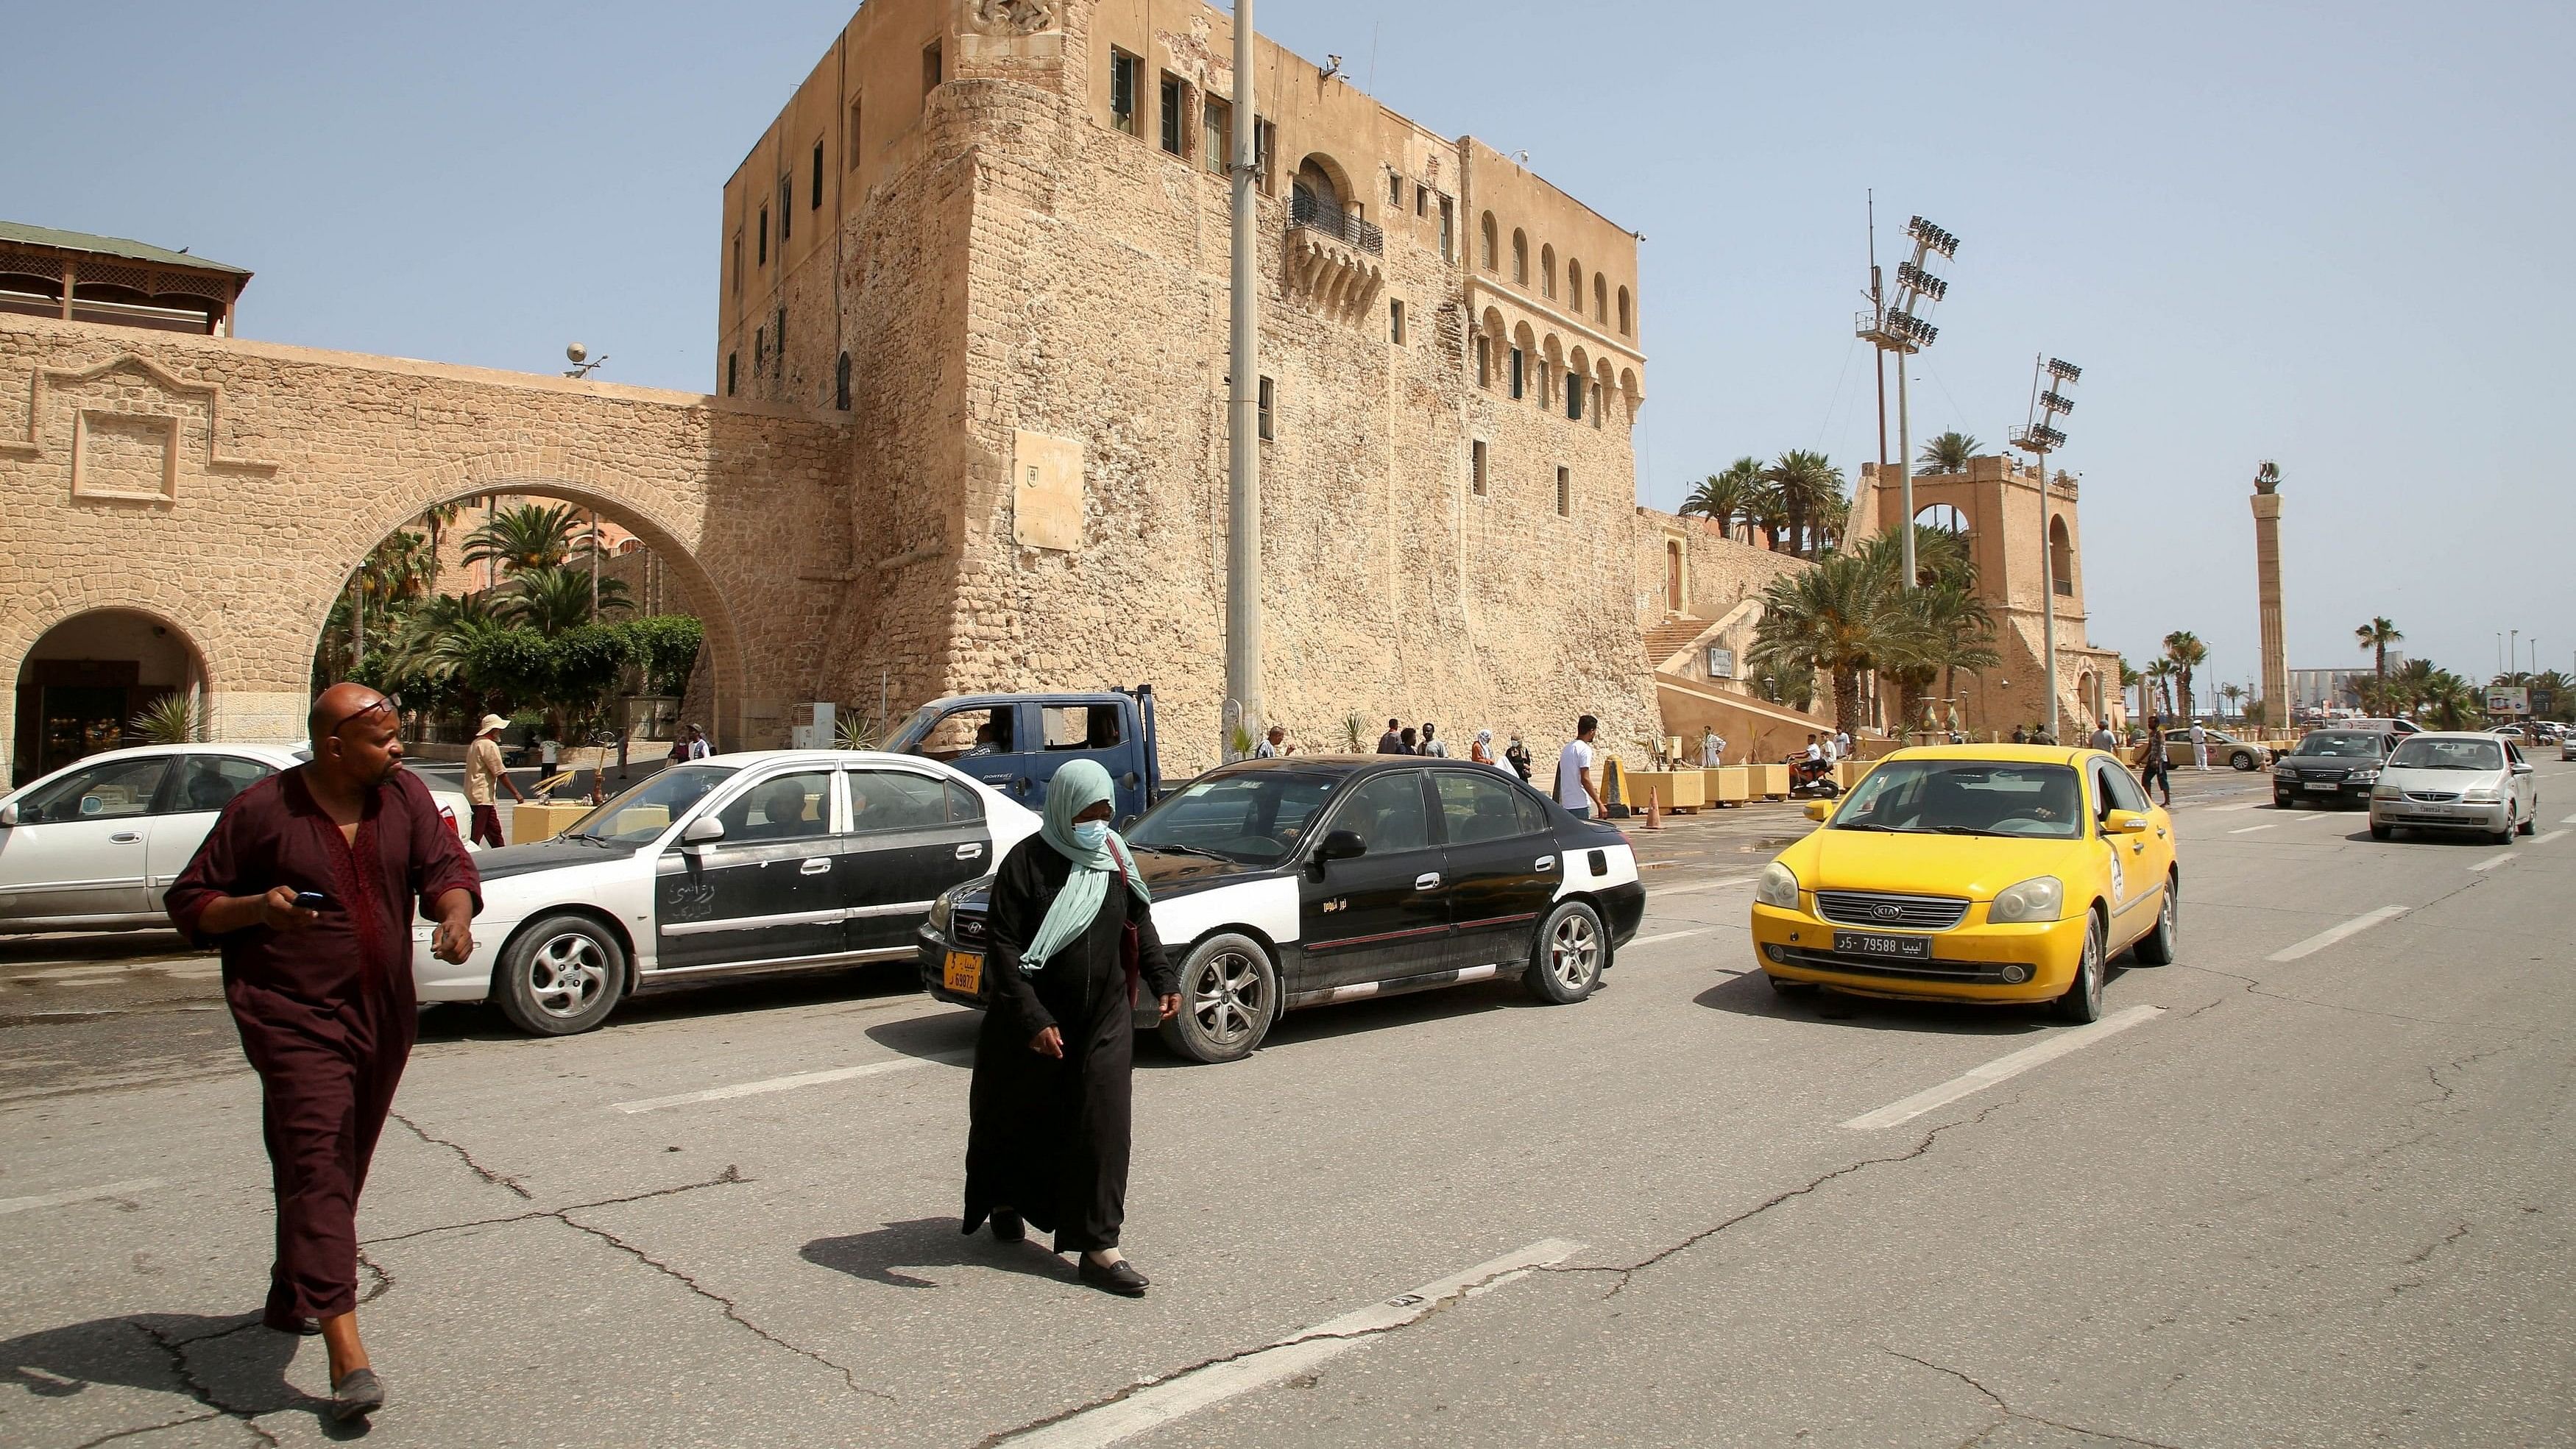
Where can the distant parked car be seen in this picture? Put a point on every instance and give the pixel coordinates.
(2335, 764)
(2455, 781)
(2381, 722)
(2224, 749)
(94, 845)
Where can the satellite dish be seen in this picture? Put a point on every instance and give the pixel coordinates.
(576, 352)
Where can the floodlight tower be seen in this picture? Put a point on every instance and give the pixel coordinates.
(1895, 328)
(2039, 437)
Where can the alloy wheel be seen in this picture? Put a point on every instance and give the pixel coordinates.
(567, 974)
(1574, 951)
(1227, 997)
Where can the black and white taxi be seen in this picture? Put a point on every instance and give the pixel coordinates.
(761, 862)
(1318, 879)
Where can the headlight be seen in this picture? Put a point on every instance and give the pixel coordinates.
(941, 909)
(2387, 792)
(1778, 887)
(2481, 797)
(2364, 777)
(2038, 899)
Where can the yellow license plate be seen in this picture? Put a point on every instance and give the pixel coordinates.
(963, 972)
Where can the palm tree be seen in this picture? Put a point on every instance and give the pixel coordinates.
(436, 520)
(1832, 521)
(2232, 693)
(2160, 677)
(551, 600)
(2184, 648)
(1728, 496)
(2553, 684)
(1806, 481)
(530, 536)
(2376, 636)
(2450, 702)
(2131, 679)
(1948, 452)
(1837, 619)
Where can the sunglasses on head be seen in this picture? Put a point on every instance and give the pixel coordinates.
(361, 712)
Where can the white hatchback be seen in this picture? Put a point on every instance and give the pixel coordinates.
(94, 845)
(2455, 781)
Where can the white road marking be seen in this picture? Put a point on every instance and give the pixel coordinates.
(80, 1194)
(2250, 829)
(2545, 839)
(2223, 809)
(1705, 885)
(2001, 1069)
(791, 1083)
(2570, 820)
(2323, 939)
(2493, 861)
(1161, 1401)
(1667, 936)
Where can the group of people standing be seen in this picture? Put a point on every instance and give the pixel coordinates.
(1402, 739)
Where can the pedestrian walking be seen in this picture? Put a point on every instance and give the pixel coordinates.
(1407, 743)
(547, 753)
(2154, 772)
(483, 772)
(1071, 933)
(1575, 789)
(1274, 745)
(1481, 750)
(693, 744)
(307, 884)
(1392, 742)
(2199, 747)
(1842, 744)
(1712, 748)
(1436, 748)
(2103, 739)
(1517, 755)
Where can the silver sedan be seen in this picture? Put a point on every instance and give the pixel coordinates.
(2456, 781)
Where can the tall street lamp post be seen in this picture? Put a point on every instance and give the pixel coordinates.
(1243, 709)
(2039, 437)
(1894, 328)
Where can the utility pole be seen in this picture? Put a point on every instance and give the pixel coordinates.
(1878, 311)
(1243, 399)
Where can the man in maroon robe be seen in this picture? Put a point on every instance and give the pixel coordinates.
(323, 996)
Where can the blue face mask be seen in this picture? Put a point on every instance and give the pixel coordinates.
(1091, 834)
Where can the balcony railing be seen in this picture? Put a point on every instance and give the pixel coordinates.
(1314, 213)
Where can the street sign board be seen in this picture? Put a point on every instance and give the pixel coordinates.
(2508, 699)
(1721, 664)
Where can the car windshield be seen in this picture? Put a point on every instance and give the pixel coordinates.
(645, 811)
(1966, 797)
(2340, 745)
(1255, 816)
(2422, 753)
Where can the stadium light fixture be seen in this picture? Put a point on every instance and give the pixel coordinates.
(1896, 328)
(2040, 437)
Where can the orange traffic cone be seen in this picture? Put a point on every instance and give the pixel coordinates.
(1655, 809)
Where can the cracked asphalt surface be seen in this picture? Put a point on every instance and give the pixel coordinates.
(2315, 1202)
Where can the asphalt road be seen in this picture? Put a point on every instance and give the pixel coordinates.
(2292, 1193)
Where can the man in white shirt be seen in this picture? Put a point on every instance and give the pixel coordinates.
(1842, 744)
(1712, 749)
(1574, 787)
(1274, 745)
(2199, 746)
(1815, 751)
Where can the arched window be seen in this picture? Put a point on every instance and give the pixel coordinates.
(1627, 324)
(1490, 237)
(1574, 285)
(2061, 558)
(1600, 297)
(1520, 257)
(1315, 188)
(1547, 271)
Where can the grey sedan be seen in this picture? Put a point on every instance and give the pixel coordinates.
(2446, 781)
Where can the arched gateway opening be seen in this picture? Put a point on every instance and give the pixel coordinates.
(102, 679)
(572, 613)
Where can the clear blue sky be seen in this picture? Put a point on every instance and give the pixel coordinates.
(2312, 233)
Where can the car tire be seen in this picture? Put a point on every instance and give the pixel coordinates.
(2083, 999)
(1567, 954)
(2382, 832)
(2530, 825)
(2280, 801)
(2242, 760)
(561, 976)
(1229, 999)
(2505, 836)
(2156, 948)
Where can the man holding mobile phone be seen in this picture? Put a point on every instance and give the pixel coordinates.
(308, 883)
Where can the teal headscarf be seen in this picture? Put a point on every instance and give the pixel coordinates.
(1078, 786)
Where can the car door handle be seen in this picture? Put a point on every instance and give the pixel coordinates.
(1544, 862)
(124, 837)
(1001, 779)
(1427, 881)
(816, 866)
(970, 851)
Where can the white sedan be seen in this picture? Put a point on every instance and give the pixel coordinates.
(2456, 781)
(754, 863)
(94, 845)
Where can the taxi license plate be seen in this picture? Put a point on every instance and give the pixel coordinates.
(963, 972)
(1893, 948)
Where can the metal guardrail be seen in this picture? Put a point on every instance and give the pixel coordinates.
(1314, 213)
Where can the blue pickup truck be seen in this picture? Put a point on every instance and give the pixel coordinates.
(1016, 742)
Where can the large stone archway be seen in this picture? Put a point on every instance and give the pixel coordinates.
(228, 487)
(81, 682)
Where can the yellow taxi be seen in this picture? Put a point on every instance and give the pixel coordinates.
(1998, 873)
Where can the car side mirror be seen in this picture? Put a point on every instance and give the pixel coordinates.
(2124, 822)
(701, 831)
(8, 815)
(1819, 809)
(1340, 845)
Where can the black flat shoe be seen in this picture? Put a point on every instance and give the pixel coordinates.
(356, 1394)
(1120, 1277)
(1007, 1227)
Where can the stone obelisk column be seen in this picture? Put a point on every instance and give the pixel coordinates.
(2267, 585)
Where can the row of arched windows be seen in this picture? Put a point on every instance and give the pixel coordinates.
(1521, 364)
(1489, 255)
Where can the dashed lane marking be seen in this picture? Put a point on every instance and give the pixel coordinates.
(80, 1194)
(2545, 839)
(1705, 885)
(2002, 1069)
(2491, 862)
(2224, 809)
(791, 1083)
(1667, 936)
(2250, 829)
(1160, 1401)
(2328, 937)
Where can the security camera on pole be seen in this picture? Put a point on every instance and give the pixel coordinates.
(1895, 328)
(2039, 437)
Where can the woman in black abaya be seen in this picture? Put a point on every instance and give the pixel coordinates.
(1051, 1101)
